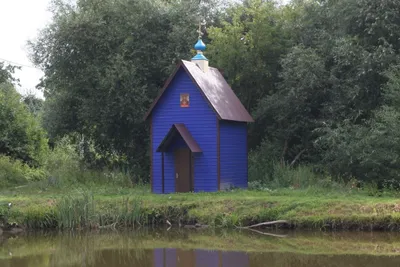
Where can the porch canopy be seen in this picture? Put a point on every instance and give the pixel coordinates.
(179, 129)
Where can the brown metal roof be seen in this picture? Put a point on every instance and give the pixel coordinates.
(215, 89)
(179, 128)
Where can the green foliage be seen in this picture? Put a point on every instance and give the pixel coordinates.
(319, 77)
(369, 151)
(65, 166)
(72, 212)
(34, 104)
(270, 175)
(15, 172)
(372, 189)
(61, 167)
(262, 161)
(247, 47)
(329, 107)
(296, 107)
(132, 212)
(11, 172)
(310, 207)
(6, 73)
(21, 136)
(76, 212)
(39, 217)
(119, 54)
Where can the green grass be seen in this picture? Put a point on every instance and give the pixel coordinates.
(64, 193)
(88, 206)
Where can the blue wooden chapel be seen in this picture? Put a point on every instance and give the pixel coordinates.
(198, 131)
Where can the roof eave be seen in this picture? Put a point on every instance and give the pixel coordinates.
(167, 83)
(184, 133)
(201, 91)
(161, 92)
(244, 121)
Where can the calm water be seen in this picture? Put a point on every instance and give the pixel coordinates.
(200, 249)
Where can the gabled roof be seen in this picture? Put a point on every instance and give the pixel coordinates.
(216, 91)
(179, 128)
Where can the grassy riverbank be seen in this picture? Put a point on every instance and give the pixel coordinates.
(98, 206)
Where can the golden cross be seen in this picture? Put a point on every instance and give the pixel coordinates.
(199, 30)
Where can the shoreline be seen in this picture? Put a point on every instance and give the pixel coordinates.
(132, 208)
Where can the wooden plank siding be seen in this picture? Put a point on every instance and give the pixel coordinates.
(151, 154)
(201, 121)
(234, 162)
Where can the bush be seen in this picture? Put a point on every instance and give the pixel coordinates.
(11, 172)
(265, 170)
(14, 173)
(298, 177)
(265, 173)
(65, 166)
(262, 162)
(62, 163)
(21, 136)
(367, 149)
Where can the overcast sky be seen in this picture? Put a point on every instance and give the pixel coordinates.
(20, 20)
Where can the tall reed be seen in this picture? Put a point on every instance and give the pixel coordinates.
(76, 211)
(132, 212)
(81, 211)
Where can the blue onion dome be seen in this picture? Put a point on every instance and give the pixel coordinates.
(199, 57)
(200, 45)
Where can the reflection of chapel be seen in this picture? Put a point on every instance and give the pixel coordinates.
(198, 131)
(170, 257)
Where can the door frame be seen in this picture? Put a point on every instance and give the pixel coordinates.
(191, 171)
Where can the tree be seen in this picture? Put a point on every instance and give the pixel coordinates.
(6, 73)
(294, 110)
(104, 62)
(21, 136)
(369, 151)
(333, 74)
(247, 46)
(311, 72)
(34, 104)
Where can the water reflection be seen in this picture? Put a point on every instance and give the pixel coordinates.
(199, 258)
(200, 249)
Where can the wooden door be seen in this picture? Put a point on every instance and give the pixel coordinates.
(183, 177)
